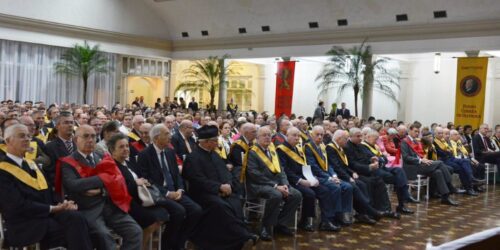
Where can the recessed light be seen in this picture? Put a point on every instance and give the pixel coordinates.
(342, 22)
(402, 18)
(313, 25)
(440, 14)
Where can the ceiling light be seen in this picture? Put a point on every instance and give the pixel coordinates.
(437, 63)
(402, 18)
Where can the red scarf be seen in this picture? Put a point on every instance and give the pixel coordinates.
(107, 171)
(417, 147)
(138, 145)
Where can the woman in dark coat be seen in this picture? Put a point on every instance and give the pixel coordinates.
(149, 218)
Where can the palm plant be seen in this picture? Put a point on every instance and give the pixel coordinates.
(83, 61)
(354, 69)
(206, 75)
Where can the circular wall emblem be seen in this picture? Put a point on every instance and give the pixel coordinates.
(470, 86)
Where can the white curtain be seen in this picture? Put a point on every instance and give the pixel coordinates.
(27, 74)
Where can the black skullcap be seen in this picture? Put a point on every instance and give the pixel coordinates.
(207, 132)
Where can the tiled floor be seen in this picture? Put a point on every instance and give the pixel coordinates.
(432, 220)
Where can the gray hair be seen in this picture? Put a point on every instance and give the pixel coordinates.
(453, 132)
(392, 131)
(156, 130)
(316, 128)
(366, 130)
(9, 131)
(292, 129)
(339, 133)
(354, 130)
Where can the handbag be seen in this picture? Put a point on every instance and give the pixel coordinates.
(149, 195)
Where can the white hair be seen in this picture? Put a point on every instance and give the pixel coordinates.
(453, 132)
(156, 130)
(10, 130)
(136, 118)
(339, 133)
(292, 129)
(366, 130)
(242, 119)
(317, 128)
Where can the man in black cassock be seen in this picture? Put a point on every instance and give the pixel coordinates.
(211, 185)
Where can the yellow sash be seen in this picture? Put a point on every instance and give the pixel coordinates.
(42, 137)
(32, 155)
(341, 153)
(299, 158)
(245, 148)
(273, 166)
(433, 153)
(375, 150)
(496, 141)
(134, 136)
(3, 147)
(443, 145)
(38, 183)
(322, 163)
(304, 136)
(221, 150)
(458, 147)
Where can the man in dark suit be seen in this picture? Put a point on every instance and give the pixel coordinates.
(52, 114)
(395, 176)
(62, 145)
(240, 147)
(343, 111)
(183, 141)
(280, 137)
(193, 105)
(158, 165)
(134, 135)
(212, 186)
(462, 167)
(365, 166)
(102, 198)
(316, 157)
(483, 149)
(266, 178)
(292, 158)
(27, 206)
(340, 164)
(415, 162)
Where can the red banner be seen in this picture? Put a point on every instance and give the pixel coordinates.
(284, 88)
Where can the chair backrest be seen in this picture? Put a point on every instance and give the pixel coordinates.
(2, 237)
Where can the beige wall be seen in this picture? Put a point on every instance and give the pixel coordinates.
(249, 76)
(149, 87)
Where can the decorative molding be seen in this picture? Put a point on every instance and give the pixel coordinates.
(28, 24)
(382, 34)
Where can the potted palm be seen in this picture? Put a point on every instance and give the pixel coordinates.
(355, 69)
(83, 61)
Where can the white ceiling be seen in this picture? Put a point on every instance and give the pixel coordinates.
(222, 18)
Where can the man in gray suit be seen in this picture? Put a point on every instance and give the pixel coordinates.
(265, 178)
(319, 113)
(415, 162)
(100, 206)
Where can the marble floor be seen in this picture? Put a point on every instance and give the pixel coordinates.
(439, 223)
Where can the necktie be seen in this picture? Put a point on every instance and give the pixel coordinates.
(187, 145)
(485, 144)
(69, 146)
(268, 154)
(90, 160)
(166, 173)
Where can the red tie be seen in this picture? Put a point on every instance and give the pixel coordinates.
(485, 144)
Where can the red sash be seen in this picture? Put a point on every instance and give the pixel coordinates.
(109, 174)
(417, 147)
(138, 145)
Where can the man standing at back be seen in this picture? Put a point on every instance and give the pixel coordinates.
(343, 111)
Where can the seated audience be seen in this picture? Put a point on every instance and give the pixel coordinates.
(99, 190)
(27, 205)
(265, 178)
